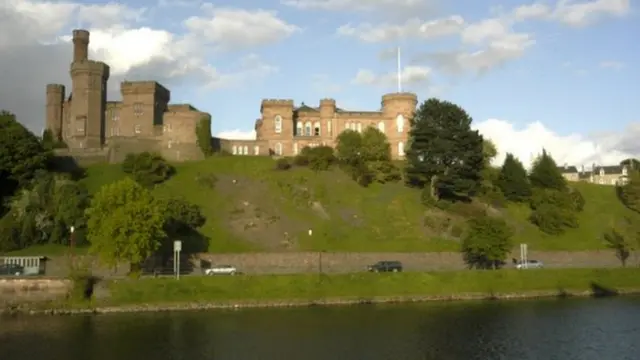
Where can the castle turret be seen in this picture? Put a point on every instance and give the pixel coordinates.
(398, 109)
(55, 101)
(89, 90)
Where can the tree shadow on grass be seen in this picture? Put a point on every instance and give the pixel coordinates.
(162, 262)
(599, 291)
(67, 165)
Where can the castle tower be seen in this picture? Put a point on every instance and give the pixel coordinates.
(327, 118)
(55, 101)
(89, 89)
(398, 109)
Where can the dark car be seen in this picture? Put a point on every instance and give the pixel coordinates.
(385, 266)
(11, 269)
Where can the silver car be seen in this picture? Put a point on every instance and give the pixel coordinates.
(529, 264)
(221, 270)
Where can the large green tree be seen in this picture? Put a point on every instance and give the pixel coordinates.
(630, 192)
(125, 223)
(21, 155)
(487, 242)
(444, 153)
(545, 173)
(513, 180)
(349, 147)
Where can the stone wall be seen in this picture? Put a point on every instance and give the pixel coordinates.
(33, 289)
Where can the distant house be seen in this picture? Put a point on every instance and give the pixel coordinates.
(600, 174)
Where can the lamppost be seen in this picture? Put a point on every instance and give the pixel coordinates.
(71, 240)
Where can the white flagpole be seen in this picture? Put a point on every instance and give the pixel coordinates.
(399, 72)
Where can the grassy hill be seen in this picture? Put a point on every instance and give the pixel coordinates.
(250, 206)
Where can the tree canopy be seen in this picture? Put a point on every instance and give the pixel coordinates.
(125, 222)
(487, 242)
(513, 180)
(147, 168)
(444, 152)
(545, 173)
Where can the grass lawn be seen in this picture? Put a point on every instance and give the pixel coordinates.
(269, 210)
(365, 285)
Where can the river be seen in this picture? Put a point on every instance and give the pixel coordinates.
(598, 329)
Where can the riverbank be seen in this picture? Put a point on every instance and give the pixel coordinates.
(199, 293)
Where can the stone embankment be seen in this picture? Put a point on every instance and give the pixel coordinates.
(346, 301)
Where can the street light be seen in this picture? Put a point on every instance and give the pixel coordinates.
(71, 230)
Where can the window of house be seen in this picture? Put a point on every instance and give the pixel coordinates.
(400, 123)
(278, 124)
(601, 172)
(307, 129)
(138, 109)
(299, 129)
(316, 129)
(295, 148)
(278, 149)
(381, 126)
(245, 150)
(137, 129)
(400, 148)
(234, 150)
(256, 150)
(624, 171)
(359, 127)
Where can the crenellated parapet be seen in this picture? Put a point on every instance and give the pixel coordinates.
(90, 67)
(399, 103)
(145, 87)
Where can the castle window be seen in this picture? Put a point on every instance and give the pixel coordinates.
(137, 129)
(298, 128)
(400, 148)
(245, 150)
(114, 115)
(316, 129)
(234, 150)
(381, 126)
(329, 127)
(256, 150)
(295, 148)
(400, 123)
(359, 127)
(279, 149)
(80, 125)
(138, 109)
(278, 124)
(307, 129)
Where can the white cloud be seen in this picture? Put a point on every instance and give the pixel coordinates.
(611, 64)
(409, 75)
(572, 12)
(231, 29)
(412, 28)
(237, 134)
(527, 142)
(382, 6)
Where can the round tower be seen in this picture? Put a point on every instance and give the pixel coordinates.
(399, 103)
(54, 112)
(80, 45)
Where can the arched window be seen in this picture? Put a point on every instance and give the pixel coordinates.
(256, 150)
(279, 149)
(381, 126)
(307, 129)
(234, 150)
(299, 128)
(295, 148)
(278, 124)
(400, 148)
(400, 123)
(329, 127)
(316, 129)
(359, 127)
(352, 126)
(245, 150)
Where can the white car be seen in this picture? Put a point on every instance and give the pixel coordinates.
(221, 270)
(530, 264)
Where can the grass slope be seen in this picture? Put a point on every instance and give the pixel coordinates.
(269, 210)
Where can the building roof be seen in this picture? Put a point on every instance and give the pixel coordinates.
(609, 169)
(568, 169)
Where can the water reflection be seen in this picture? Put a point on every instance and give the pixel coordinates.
(568, 329)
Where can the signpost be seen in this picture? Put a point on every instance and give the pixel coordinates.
(523, 256)
(177, 247)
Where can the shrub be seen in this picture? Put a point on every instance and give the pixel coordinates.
(320, 158)
(552, 219)
(283, 164)
(147, 168)
(207, 180)
(203, 135)
(301, 160)
(487, 243)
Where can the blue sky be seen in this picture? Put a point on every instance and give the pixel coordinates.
(559, 74)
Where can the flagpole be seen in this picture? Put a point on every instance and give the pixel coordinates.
(399, 72)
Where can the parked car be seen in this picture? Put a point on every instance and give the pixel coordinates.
(11, 269)
(385, 266)
(529, 264)
(221, 270)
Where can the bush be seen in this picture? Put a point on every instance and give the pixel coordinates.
(577, 199)
(301, 160)
(207, 180)
(384, 171)
(487, 243)
(147, 168)
(320, 158)
(552, 219)
(283, 164)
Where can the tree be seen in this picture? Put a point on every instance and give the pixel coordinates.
(21, 155)
(203, 135)
(444, 153)
(545, 173)
(182, 220)
(633, 164)
(374, 145)
(349, 147)
(125, 223)
(489, 151)
(487, 242)
(630, 192)
(147, 168)
(616, 240)
(513, 181)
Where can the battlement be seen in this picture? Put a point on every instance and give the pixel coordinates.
(91, 67)
(277, 102)
(81, 35)
(182, 108)
(403, 96)
(55, 88)
(145, 87)
(327, 102)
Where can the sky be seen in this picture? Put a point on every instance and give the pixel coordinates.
(556, 74)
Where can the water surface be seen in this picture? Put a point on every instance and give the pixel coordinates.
(585, 329)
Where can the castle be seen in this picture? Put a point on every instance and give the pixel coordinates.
(95, 129)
